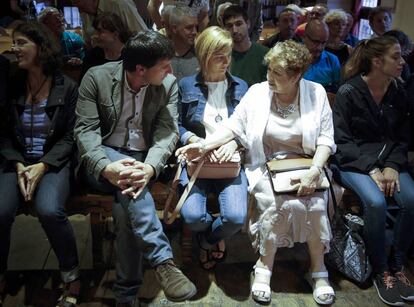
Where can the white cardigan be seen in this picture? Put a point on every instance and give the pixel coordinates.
(250, 117)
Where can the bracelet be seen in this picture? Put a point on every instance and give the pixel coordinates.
(203, 146)
(317, 167)
(374, 171)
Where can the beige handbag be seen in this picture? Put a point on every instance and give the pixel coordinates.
(282, 170)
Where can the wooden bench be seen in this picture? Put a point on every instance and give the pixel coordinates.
(99, 207)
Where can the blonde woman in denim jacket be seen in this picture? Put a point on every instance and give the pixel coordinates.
(205, 100)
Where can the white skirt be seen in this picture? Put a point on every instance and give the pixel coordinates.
(281, 220)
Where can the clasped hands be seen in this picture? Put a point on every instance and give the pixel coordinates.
(28, 177)
(130, 175)
(387, 180)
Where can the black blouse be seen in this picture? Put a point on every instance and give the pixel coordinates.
(369, 135)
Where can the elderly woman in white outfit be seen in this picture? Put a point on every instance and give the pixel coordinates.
(285, 113)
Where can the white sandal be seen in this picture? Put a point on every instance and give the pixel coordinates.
(322, 290)
(261, 291)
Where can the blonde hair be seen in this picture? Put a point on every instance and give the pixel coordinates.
(336, 14)
(211, 40)
(292, 57)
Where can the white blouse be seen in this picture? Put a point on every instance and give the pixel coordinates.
(215, 111)
(250, 117)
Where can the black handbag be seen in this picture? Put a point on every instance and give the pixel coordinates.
(348, 253)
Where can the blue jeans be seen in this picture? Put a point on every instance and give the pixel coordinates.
(49, 201)
(375, 210)
(232, 197)
(138, 231)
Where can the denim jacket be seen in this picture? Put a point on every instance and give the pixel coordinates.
(193, 93)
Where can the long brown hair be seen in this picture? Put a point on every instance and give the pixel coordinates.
(360, 60)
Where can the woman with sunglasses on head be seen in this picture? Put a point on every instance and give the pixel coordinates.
(37, 146)
(371, 125)
(205, 100)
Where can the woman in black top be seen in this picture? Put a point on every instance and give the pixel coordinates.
(37, 145)
(370, 117)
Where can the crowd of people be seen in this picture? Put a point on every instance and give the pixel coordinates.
(204, 86)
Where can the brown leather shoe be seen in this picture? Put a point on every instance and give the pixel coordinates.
(177, 287)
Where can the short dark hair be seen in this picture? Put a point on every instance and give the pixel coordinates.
(146, 48)
(234, 11)
(377, 10)
(49, 55)
(113, 23)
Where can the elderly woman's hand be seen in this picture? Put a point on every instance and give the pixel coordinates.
(307, 183)
(225, 152)
(190, 152)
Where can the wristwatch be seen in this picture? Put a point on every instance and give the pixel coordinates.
(317, 167)
(374, 171)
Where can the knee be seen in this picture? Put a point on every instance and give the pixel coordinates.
(51, 212)
(234, 219)
(376, 205)
(195, 221)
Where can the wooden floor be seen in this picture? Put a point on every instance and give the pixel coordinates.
(34, 279)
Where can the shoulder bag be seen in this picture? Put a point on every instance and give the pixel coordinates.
(282, 169)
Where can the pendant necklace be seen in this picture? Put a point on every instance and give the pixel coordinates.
(33, 101)
(285, 111)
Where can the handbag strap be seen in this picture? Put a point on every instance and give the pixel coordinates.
(170, 217)
(336, 215)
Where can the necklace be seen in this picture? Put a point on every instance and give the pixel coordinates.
(34, 96)
(218, 118)
(285, 111)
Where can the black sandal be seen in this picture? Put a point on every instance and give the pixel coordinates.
(209, 259)
(219, 251)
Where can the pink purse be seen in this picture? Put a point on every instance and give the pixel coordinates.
(213, 170)
(202, 169)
